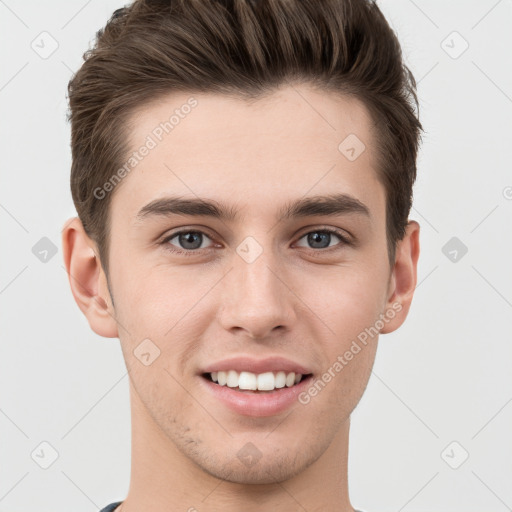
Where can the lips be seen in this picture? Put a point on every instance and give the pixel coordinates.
(278, 380)
(257, 366)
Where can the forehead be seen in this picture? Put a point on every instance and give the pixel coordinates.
(294, 141)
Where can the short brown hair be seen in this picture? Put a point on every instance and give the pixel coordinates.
(246, 49)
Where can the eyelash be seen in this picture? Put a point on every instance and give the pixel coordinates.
(194, 252)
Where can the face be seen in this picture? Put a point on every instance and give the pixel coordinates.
(267, 280)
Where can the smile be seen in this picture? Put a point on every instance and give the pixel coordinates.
(278, 398)
(248, 381)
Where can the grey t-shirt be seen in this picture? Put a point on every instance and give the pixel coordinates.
(112, 507)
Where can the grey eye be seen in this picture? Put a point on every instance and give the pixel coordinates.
(320, 239)
(189, 240)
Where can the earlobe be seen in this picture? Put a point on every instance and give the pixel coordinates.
(87, 279)
(403, 278)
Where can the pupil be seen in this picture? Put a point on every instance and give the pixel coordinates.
(314, 238)
(189, 238)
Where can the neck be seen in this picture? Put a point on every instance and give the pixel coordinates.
(162, 478)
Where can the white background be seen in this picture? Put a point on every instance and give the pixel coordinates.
(444, 376)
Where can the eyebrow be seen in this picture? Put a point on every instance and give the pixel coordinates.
(329, 205)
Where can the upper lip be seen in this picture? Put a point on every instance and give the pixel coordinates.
(250, 364)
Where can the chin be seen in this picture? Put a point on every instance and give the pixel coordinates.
(250, 466)
(273, 471)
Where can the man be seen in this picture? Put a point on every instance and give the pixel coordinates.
(243, 172)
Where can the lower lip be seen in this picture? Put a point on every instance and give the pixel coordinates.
(256, 404)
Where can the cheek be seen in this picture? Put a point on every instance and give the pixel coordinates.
(348, 300)
(349, 305)
(158, 297)
(166, 306)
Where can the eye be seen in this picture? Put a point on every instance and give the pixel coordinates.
(189, 241)
(321, 238)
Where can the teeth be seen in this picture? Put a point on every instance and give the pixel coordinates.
(290, 380)
(247, 380)
(232, 379)
(222, 377)
(280, 380)
(267, 381)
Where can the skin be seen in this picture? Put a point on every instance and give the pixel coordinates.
(293, 300)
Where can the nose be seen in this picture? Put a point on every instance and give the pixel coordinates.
(256, 298)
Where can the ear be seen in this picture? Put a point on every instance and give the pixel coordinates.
(403, 278)
(87, 279)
